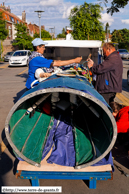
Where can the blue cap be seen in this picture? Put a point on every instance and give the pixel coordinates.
(38, 41)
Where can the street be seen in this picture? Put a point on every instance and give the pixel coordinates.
(12, 87)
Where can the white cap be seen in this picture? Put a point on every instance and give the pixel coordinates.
(38, 41)
(68, 28)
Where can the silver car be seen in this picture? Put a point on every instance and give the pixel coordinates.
(123, 53)
(7, 56)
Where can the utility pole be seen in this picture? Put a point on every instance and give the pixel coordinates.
(39, 15)
(52, 32)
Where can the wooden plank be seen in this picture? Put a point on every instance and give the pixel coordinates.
(22, 165)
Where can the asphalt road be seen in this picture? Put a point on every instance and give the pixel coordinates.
(11, 88)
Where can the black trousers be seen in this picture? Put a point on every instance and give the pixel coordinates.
(109, 97)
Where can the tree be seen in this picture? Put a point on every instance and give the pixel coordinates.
(85, 22)
(107, 28)
(44, 35)
(62, 35)
(36, 35)
(3, 30)
(121, 37)
(115, 5)
(23, 40)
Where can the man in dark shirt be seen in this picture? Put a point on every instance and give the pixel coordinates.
(109, 73)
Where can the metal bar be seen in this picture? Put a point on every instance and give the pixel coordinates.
(34, 176)
(92, 183)
(35, 182)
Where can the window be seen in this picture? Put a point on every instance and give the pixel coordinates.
(29, 53)
(20, 53)
(12, 19)
(17, 22)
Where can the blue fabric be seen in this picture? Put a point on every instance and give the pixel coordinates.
(61, 136)
(35, 63)
(106, 160)
(77, 83)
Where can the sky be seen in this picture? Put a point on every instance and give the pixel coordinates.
(56, 13)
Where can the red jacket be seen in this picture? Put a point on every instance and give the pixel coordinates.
(122, 120)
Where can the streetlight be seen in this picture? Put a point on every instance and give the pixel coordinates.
(39, 15)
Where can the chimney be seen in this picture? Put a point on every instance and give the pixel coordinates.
(3, 3)
(24, 16)
(8, 9)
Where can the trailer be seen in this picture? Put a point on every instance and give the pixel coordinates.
(64, 119)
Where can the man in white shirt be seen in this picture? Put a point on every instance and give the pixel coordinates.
(69, 35)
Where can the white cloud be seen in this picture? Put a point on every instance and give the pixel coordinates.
(67, 11)
(126, 21)
(51, 2)
(57, 13)
(106, 18)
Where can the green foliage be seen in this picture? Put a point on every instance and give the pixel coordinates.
(1, 47)
(115, 5)
(122, 37)
(36, 35)
(85, 22)
(107, 28)
(62, 35)
(23, 40)
(3, 30)
(44, 35)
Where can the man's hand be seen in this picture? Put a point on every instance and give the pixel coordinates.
(78, 59)
(45, 75)
(90, 63)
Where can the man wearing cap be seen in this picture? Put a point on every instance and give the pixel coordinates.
(68, 34)
(37, 60)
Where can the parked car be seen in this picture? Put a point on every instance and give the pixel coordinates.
(20, 58)
(7, 56)
(123, 53)
(128, 77)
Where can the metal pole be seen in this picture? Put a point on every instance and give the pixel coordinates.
(39, 15)
(107, 34)
(39, 27)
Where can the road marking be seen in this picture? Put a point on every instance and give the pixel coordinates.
(123, 99)
(23, 71)
(3, 145)
(4, 66)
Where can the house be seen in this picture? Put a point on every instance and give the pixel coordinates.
(11, 20)
(33, 28)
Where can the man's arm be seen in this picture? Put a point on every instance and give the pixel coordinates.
(104, 67)
(59, 63)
